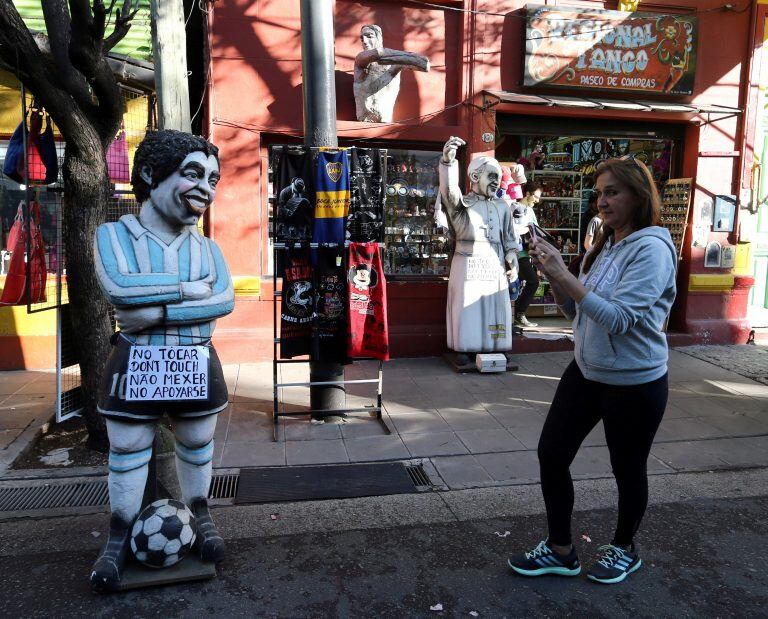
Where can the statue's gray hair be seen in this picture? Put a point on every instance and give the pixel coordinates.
(479, 164)
(373, 27)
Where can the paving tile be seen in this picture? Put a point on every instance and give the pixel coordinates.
(461, 471)
(752, 451)
(253, 454)
(591, 461)
(486, 441)
(739, 425)
(744, 387)
(23, 416)
(376, 448)
(463, 419)
(596, 437)
(528, 436)
(699, 406)
(433, 444)
(361, 425)
(8, 436)
(692, 455)
(690, 428)
(394, 407)
(704, 387)
(419, 422)
(315, 452)
(302, 429)
(522, 466)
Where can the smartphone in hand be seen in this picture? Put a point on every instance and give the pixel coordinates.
(532, 230)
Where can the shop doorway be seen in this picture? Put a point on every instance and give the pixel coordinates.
(560, 156)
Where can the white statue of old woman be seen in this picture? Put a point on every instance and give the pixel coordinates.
(479, 314)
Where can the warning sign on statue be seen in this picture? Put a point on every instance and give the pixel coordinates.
(482, 269)
(167, 373)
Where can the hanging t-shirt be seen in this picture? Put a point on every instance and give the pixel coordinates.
(329, 334)
(295, 196)
(297, 304)
(366, 205)
(368, 333)
(332, 197)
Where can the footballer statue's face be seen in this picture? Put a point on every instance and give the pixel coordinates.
(182, 197)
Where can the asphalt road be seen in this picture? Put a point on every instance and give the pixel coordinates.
(703, 557)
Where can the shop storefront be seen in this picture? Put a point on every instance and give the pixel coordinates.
(683, 117)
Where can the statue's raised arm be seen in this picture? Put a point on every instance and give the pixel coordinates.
(449, 175)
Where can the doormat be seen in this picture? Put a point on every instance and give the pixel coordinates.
(308, 483)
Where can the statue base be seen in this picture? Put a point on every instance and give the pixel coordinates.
(455, 360)
(189, 569)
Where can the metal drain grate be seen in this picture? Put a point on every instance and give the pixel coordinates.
(418, 476)
(223, 486)
(80, 494)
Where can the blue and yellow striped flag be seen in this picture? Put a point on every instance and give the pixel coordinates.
(332, 197)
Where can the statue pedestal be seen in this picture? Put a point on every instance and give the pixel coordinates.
(451, 358)
(190, 568)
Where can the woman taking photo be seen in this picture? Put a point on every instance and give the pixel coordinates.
(619, 375)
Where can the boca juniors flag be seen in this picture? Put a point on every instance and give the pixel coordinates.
(332, 197)
(367, 288)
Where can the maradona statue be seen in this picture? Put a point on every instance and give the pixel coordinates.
(168, 284)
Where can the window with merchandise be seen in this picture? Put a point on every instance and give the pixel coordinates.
(414, 245)
(559, 213)
(564, 167)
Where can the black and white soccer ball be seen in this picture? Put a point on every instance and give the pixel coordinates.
(163, 533)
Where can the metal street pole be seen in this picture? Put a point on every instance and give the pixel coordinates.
(317, 65)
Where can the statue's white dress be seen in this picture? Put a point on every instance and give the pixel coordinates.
(479, 313)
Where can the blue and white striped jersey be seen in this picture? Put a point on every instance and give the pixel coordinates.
(136, 268)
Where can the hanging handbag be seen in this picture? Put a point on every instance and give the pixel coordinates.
(15, 289)
(35, 163)
(17, 228)
(41, 157)
(14, 155)
(117, 159)
(48, 153)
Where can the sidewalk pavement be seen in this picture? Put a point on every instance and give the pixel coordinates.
(471, 430)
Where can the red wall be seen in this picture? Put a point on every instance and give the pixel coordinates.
(256, 97)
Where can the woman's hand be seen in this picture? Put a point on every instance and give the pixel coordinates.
(547, 258)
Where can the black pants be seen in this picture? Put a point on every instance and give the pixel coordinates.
(527, 273)
(631, 415)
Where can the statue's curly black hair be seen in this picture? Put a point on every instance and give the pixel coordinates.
(162, 152)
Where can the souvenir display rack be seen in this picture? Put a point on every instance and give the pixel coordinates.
(414, 245)
(278, 410)
(675, 205)
(559, 213)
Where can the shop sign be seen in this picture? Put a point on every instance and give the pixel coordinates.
(610, 50)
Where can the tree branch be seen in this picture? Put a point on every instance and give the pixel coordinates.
(122, 23)
(19, 52)
(58, 25)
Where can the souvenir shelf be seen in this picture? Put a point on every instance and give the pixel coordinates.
(278, 385)
(675, 204)
(559, 213)
(414, 246)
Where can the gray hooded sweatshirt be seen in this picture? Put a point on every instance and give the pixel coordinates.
(618, 325)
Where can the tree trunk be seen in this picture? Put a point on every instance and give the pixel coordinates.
(87, 192)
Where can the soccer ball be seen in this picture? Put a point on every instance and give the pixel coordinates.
(163, 533)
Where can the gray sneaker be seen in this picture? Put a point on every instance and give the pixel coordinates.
(522, 321)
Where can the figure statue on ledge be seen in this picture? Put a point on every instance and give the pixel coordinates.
(168, 284)
(377, 76)
(478, 314)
